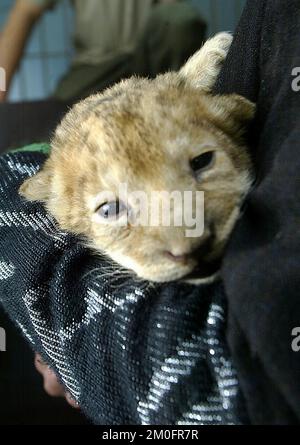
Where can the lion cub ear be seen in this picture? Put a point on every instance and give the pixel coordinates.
(37, 188)
(231, 112)
(202, 69)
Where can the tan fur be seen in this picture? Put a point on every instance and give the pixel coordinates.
(144, 133)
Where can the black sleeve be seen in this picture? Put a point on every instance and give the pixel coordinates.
(129, 352)
(262, 265)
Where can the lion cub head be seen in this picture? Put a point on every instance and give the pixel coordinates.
(166, 137)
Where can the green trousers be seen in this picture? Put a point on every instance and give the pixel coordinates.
(173, 33)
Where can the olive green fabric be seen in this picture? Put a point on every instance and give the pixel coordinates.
(172, 34)
(44, 3)
(115, 39)
(105, 29)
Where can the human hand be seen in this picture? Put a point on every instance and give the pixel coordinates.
(51, 384)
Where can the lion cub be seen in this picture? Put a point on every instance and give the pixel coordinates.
(164, 135)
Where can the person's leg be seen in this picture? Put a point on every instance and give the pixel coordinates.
(173, 33)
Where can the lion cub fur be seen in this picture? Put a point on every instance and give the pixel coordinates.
(145, 133)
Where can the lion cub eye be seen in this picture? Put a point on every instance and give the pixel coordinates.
(203, 161)
(111, 210)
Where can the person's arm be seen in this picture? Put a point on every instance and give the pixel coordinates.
(14, 37)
